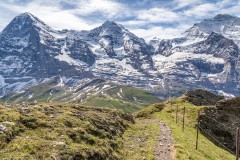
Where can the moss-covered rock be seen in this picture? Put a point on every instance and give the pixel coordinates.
(222, 121)
(200, 97)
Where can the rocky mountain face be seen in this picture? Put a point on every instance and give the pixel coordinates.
(31, 51)
(205, 56)
(223, 24)
(116, 41)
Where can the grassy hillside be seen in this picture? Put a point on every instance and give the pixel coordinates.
(54, 131)
(125, 98)
(96, 93)
(41, 92)
(185, 141)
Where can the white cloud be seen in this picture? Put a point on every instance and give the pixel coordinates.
(54, 15)
(143, 19)
(234, 10)
(159, 32)
(227, 3)
(65, 20)
(134, 23)
(109, 9)
(157, 15)
(186, 3)
(202, 10)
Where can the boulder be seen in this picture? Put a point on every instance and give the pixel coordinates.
(232, 104)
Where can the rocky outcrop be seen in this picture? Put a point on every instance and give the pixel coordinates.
(230, 104)
(221, 122)
(201, 97)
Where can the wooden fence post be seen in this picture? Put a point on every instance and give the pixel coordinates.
(184, 110)
(177, 115)
(197, 130)
(237, 144)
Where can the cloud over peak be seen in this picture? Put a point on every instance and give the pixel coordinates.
(146, 18)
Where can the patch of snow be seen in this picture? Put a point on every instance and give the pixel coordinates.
(119, 95)
(51, 92)
(2, 81)
(226, 95)
(61, 84)
(30, 96)
(105, 86)
(135, 99)
(64, 56)
(165, 63)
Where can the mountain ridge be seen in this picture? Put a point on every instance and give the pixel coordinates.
(113, 53)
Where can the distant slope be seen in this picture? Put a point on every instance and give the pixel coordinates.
(126, 98)
(96, 93)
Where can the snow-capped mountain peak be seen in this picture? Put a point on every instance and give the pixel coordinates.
(26, 15)
(224, 24)
(31, 51)
(112, 24)
(108, 28)
(224, 17)
(27, 26)
(25, 22)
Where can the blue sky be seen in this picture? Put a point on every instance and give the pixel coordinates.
(145, 18)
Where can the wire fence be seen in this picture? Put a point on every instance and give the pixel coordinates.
(213, 137)
(230, 128)
(216, 140)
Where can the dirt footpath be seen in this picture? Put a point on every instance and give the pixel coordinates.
(164, 150)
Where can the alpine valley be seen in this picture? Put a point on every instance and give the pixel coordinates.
(74, 63)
